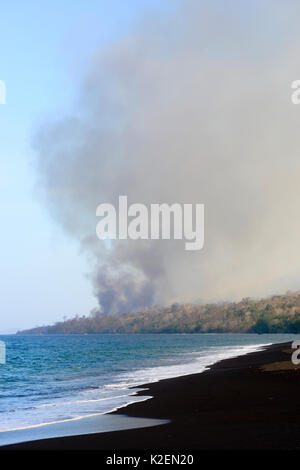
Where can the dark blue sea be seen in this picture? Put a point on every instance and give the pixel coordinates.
(61, 378)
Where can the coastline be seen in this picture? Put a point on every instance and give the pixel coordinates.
(247, 402)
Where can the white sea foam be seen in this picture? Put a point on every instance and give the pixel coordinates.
(201, 361)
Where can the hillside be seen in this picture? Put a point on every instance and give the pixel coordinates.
(276, 314)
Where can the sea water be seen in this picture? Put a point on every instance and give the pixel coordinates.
(63, 378)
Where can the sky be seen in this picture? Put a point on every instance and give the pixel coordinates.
(42, 60)
(183, 101)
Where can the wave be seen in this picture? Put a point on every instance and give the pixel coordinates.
(103, 400)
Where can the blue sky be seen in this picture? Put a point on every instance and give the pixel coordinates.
(44, 46)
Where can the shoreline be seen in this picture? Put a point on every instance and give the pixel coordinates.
(83, 424)
(246, 402)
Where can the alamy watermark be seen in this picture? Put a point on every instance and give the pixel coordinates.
(2, 92)
(296, 354)
(159, 221)
(2, 352)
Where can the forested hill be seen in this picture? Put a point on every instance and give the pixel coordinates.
(277, 314)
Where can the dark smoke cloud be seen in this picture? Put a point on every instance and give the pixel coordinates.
(191, 107)
(122, 293)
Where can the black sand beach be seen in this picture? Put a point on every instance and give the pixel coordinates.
(249, 402)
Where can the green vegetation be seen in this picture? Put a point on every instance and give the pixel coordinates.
(277, 314)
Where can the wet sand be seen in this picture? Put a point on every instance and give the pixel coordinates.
(248, 402)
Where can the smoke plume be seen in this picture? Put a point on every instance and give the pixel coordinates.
(193, 106)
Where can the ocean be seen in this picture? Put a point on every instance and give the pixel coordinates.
(64, 378)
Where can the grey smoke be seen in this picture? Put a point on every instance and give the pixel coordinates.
(191, 107)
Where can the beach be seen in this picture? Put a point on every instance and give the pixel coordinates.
(247, 402)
